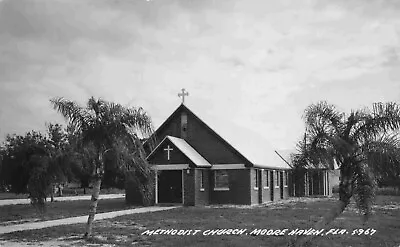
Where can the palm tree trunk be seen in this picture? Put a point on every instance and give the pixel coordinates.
(93, 207)
(345, 194)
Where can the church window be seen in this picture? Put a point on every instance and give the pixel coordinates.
(221, 180)
(266, 174)
(256, 178)
(286, 177)
(277, 179)
(184, 121)
(202, 173)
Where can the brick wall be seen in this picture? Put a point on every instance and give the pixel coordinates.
(239, 182)
(202, 196)
(189, 187)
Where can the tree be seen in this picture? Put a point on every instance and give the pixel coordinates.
(60, 156)
(25, 160)
(82, 158)
(33, 163)
(113, 131)
(364, 144)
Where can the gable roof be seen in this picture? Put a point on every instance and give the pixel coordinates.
(182, 107)
(186, 149)
(254, 154)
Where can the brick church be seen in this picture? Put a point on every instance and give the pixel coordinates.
(196, 166)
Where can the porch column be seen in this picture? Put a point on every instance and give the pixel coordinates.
(156, 189)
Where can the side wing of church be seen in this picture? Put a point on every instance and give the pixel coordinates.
(196, 166)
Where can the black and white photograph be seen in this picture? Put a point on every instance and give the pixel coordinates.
(200, 123)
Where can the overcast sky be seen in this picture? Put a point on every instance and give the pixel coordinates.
(251, 67)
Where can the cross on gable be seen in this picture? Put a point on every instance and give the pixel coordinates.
(183, 94)
(168, 149)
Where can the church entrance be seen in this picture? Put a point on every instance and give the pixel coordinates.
(169, 186)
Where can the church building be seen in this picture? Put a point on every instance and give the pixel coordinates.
(196, 166)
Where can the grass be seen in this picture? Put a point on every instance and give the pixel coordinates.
(66, 192)
(57, 210)
(7, 195)
(302, 213)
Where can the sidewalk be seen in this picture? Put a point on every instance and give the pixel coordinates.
(62, 198)
(79, 219)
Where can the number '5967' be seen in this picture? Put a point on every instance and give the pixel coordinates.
(367, 231)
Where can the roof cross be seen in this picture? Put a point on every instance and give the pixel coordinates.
(183, 94)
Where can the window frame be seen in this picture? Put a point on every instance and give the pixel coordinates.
(267, 179)
(286, 178)
(256, 179)
(202, 188)
(277, 180)
(218, 188)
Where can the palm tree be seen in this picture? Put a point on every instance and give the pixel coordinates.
(111, 130)
(364, 144)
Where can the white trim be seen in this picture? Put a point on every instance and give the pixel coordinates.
(256, 180)
(221, 189)
(155, 149)
(201, 180)
(285, 179)
(171, 167)
(278, 178)
(227, 166)
(183, 189)
(266, 174)
(156, 199)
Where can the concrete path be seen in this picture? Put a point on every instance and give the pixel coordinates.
(62, 198)
(79, 219)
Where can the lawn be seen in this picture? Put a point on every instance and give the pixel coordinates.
(17, 214)
(296, 213)
(66, 192)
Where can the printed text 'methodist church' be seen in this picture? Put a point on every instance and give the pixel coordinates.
(196, 166)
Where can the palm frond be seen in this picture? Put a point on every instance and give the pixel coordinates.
(323, 117)
(72, 112)
(383, 154)
(384, 117)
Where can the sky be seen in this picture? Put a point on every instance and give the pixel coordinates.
(251, 67)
